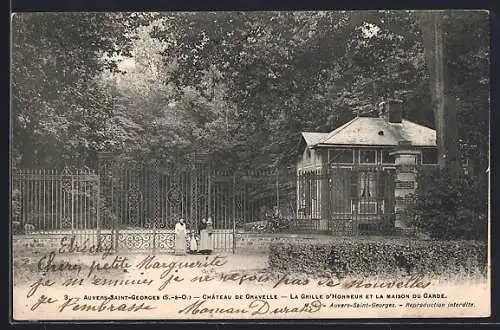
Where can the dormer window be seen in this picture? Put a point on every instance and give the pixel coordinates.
(340, 156)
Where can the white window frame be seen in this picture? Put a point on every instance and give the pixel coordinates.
(343, 149)
(369, 203)
(344, 166)
(376, 156)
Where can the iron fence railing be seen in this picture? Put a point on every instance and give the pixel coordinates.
(147, 200)
(51, 200)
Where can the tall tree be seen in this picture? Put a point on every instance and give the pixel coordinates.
(240, 86)
(436, 53)
(58, 109)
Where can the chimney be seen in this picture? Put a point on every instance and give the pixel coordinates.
(392, 111)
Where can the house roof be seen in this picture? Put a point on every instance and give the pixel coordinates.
(374, 131)
(313, 138)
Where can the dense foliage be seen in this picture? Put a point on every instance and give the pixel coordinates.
(61, 115)
(241, 87)
(379, 258)
(450, 206)
(238, 86)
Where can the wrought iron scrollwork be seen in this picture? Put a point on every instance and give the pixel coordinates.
(66, 223)
(134, 197)
(161, 224)
(67, 183)
(135, 240)
(165, 241)
(174, 196)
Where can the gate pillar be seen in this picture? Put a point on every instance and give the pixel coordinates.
(406, 172)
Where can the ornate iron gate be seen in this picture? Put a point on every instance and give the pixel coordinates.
(141, 204)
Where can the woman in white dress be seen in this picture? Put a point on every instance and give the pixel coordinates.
(193, 243)
(180, 238)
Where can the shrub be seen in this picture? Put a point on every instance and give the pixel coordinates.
(380, 258)
(275, 224)
(450, 206)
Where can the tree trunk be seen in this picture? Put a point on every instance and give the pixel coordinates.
(25, 150)
(436, 55)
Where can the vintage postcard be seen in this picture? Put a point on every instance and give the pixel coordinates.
(250, 165)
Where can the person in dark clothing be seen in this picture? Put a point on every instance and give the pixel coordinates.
(206, 241)
(203, 225)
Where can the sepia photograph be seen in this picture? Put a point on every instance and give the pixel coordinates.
(257, 165)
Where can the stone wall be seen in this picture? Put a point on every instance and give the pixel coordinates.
(34, 244)
(129, 240)
(245, 242)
